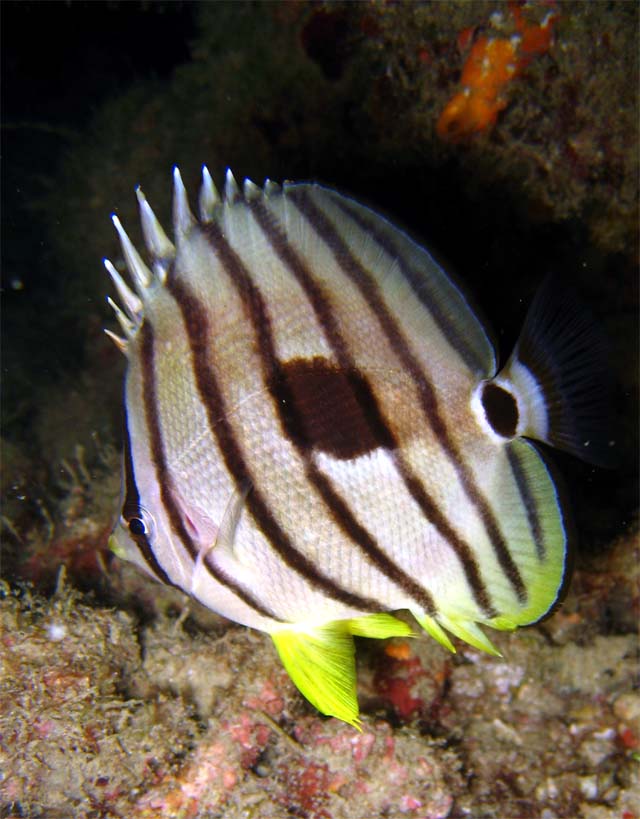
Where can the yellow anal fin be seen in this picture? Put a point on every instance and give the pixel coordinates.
(466, 630)
(433, 628)
(378, 626)
(503, 623)
(321, 663)
(470, 632)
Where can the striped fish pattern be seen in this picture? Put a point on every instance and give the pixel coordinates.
(316, 436)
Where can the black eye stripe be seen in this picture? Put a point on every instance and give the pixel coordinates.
(131, 503)
(131, 513)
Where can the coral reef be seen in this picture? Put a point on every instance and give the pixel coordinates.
(494, 61)
(103, 715)
(123, 700)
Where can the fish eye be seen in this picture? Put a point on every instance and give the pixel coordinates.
(137, 527)
(140, 524)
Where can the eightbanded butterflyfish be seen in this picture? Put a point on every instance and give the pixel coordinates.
(317, 433)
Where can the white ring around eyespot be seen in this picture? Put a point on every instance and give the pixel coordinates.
(533, 420)
(477, 408)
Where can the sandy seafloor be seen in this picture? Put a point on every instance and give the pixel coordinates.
(117, 700)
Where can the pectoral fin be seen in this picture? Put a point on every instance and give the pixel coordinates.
(229, 523)
(220, 540)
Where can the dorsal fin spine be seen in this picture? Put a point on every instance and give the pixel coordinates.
(138, 270)
(231, 190)
(209, 199)
(155, 238)
(183, 219)
(132, 304)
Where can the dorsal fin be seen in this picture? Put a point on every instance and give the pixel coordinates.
(132, 304)
(250, 190)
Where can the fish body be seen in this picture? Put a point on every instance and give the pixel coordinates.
(316, 434)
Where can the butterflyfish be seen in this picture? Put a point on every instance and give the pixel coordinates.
(317, 434)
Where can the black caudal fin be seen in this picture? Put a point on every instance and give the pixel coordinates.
(560, 377)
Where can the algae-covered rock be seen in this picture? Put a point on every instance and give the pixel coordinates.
(172, 717)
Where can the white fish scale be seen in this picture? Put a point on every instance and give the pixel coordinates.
(359, 327)
(371, 482)
(371, 350)
(269, 577)
(273, 462)
(440, 570)
(279, 472)
(439, 287)
(183, 418)
(175, 559)
(482, 458)
(201, 479)
(297, 333)
(191, 451)
(257, 428)
(206, 490)
(480, 455)
(437, 359)
(388, 593)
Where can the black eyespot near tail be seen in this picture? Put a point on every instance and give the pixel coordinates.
(565, 388)
(501, 410)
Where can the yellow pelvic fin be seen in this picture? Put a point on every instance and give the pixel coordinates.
(321, 662)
